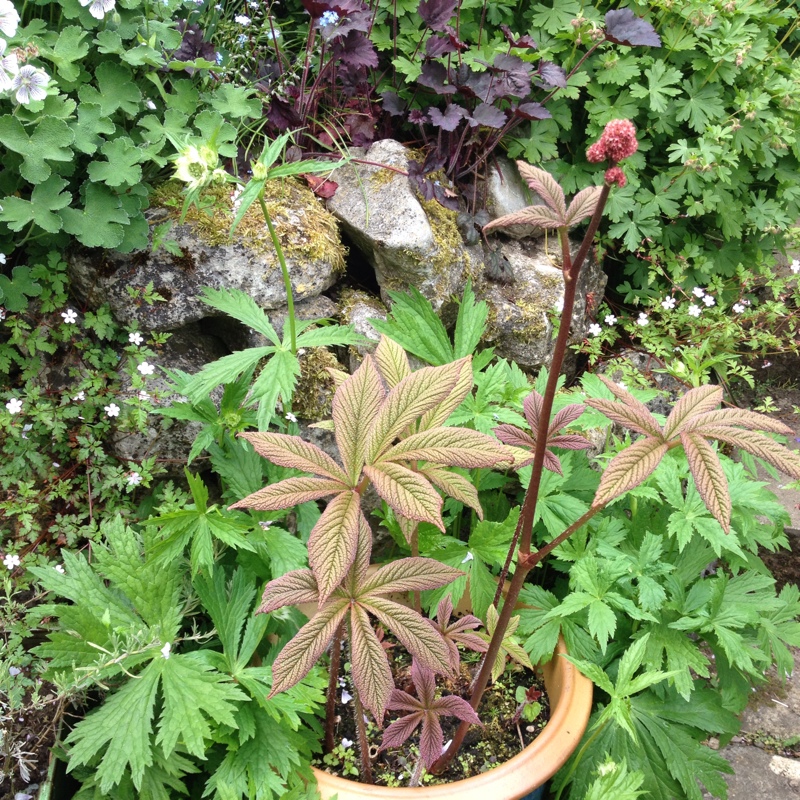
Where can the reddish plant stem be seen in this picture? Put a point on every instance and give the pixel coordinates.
(333, 683)
(363, 744)
(526, 561)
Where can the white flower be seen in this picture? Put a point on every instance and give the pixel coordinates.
(8, 67)
(643, 319)
(150, 104)
(145, 368)
(694, 311)
(346, 697)
(112, 410)
(595, 329)
(242, 19)
(610, 319)
(2, 313)
(59, 569)
(196, 165)
(272, 34)
(98, 8)
(265, 524)
(9, 18)
(698, 292)
(135, 338)
(467, 557)
(142, 395)
(69, 316)
(14, 405)
(766, 364)
(795, 266)
(2, 255)
(291, 417)
(668, 303)
(165, 650)
(346, 743)
(11, 561)
(709, 300)
(738, 308)
(29, 84)
(25, 429)
(328, 18)
(134, 478)
(80, 396)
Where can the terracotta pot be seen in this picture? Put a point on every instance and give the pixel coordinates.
(570, 695)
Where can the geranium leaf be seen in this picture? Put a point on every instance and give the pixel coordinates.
(301, 653)
(546, 186)
(541, 216)
(628, 469)
(583, 205)
(333, 541)
(709, 478)
(624, 27)
(455, 485)
(458, 447)
(737, 417)
(696, 401)
(759, 445)
(294, 452)
(291, 589)
(409, 575)
(407, 492)
(288, 493)
(355, 406)
(371, 673)
(392, 361)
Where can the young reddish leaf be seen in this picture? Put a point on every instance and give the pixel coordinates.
(647, 422)
(626, 416)
(288, 493)
(392, 361)
(694, 402)
(455, 485)
(628, 469)
(431, 739)
(291, 589)
(407, 492)
(542, 216)
(738, 417)
(333, 542)
(546, 186)
(439, 413)
(583, 205)
(709, 478)
(759, 445)
(410, 575)
(355, 405)
(371, 673)
(457, 447)
(363, 551)
(566, 416)
(396, 733)
(569, 441)
(302, 652)
(294, 452)
(457, 632)
(514, 436)
(509, 646)
(406, 402)
(624, 27)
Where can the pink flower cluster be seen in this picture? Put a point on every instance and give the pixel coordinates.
(615, 175)
(618, 141)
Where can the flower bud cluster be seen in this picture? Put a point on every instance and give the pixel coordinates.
(618, 141)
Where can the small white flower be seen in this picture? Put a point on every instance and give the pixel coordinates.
(151, 105)
(265, 524)
(14, 405)
(145, 368)
(80, 396)
(766, 364)
(467, 557)
(698, 292)
(272, 34)
(346, 697)
(135, 338)
(69, 316)
(165, 650)
(134, 478)
(668, 303)
(242, 19)
(291, 417)
(795, 266)
(2, 255)
(56, 464)
(11, 561)
(2, 313)
(694, 310)
(738, 308)
(25, 429)
(59, 569)
(241, 39)
(142, 395)
(643, 319)
(14, 671)
(30, 84)
(346, 743)
(610, 319)
(112, 410)
(98, 8)
(328, 18)
(9, 18)
(8, 67)
(709, 300)
(595, 329)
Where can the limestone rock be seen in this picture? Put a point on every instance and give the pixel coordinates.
(506, 193)
(357, 309)
(408, 242)
(309, 238)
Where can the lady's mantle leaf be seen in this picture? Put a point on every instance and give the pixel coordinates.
(371, 673)
(708, 477)
(407, 492)
(628, 469)
(294, 452)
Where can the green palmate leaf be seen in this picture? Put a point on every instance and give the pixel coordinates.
(355, 406)
(68, 52)
(455, 485)
(47, 198)
(224, 370)
(333, 542)
(50, 141)
(294, 588)
(615, 781)
(509, 647)
(115, 90)
(697, 401)
(300, 654)
(235, 303)
(407, 492)
(100, 223)
(122, 167)
(228, 605)
(294, 452)
(371, 673)
(90, 127)
(276, 380)
(410, 399)
(409, 575)
(708, 477)
(392, 361)
(290, 492)
(628, 469)
(458, 447)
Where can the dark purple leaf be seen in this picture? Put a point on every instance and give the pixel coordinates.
(356, 21)
(433, 76)
(624, 27)
(316, 8)
(193, 46)
(355, 50)
(417, 117)
(439, 46)
(454, 40)
(361, 128)
(532, 111)
(282, 116)
(514, 78)
(437, 13)
(446, 197)
(451, 118)
(551, 75)
(480, 85)
(488, 116)
(522, 41)
(393, 104)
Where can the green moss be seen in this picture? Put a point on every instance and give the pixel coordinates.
(288, 201)
(314, 392)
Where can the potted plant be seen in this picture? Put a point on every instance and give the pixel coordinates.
(389, 424)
